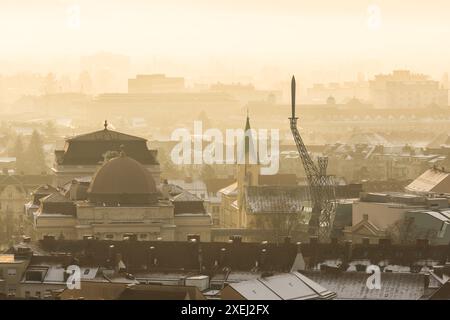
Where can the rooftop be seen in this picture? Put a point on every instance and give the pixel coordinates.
(352, 285)
(275, 199)
(288, 286)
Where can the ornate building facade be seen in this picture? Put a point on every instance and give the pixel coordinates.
(109, 188)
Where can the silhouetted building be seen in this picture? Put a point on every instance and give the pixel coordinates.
(83, 154)
(155, 83)
(403, 89)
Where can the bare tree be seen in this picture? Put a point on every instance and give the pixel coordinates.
(405, 231)
(282, 224)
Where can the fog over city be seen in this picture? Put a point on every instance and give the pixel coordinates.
(224, 150)
(229, 40)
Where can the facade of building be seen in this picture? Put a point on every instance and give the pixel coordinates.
(403, 89)
(121, 199)
(378, 216)
(342, 92)
(155, 83)
(15, 190)
(12, 268)
(246, 93)
(431, 224)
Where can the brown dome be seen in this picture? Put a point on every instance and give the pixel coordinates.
(122, 180)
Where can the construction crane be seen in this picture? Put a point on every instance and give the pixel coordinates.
(320, 185)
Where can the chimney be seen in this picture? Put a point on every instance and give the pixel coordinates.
(236, 238)
(165, 188)
(262, 257)
(150, 257)
(348, 250)
(193, 237)
(426, 281)
(200, 258)
(117, 260)
(111, 261)
(222, 257)
(439, 271)
(48, 238)
(130, 237)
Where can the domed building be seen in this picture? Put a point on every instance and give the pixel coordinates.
(120, 199)
(123, 181)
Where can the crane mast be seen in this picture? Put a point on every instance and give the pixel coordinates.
(320, 185)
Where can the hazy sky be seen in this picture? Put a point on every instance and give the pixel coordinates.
(346, 35)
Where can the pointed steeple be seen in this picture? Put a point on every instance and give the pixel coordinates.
(250, 151)
(247, 174)
(247, 123)
(248, 138)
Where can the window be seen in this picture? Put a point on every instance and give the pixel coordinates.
(38, 294)
(27, 294)
(12, 272)
(86, 272)
(109, 236)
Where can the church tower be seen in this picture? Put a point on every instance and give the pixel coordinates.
(247, 172)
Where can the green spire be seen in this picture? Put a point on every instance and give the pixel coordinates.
(249, 143)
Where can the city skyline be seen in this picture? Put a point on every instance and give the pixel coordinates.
(224, 150)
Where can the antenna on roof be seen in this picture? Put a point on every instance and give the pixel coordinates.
(106, 124)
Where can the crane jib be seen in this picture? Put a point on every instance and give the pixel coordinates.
(320, 186)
